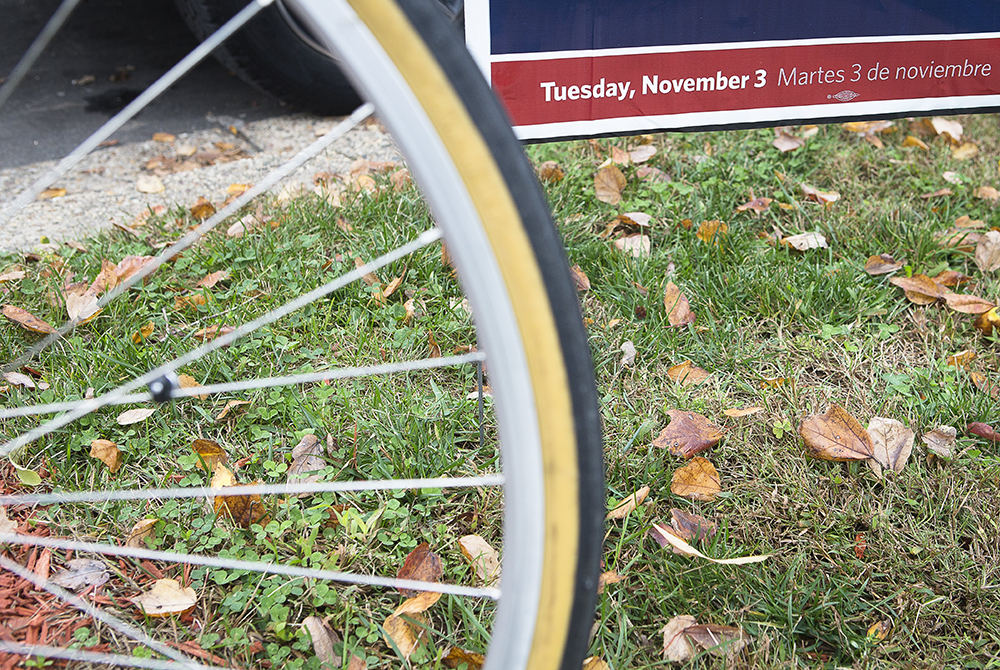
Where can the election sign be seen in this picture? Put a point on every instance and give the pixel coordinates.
(601, 67)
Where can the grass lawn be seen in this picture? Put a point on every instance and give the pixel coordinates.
(782, 333)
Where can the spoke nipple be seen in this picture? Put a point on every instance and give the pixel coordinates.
(162, 388)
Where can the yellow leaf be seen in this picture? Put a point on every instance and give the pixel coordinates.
(210, 454)
(50, 193)
(914, 141)
(187, 382)
(238, 189)
(987, 322)
(141, 335)
(964, 152)
(163, 137)
(167, 597)
(107, 452)
(710, 232)
(698, 480)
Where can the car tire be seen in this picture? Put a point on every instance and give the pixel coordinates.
(277, 54)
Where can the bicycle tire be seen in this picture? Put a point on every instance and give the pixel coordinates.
(475, 133)
(405, 57)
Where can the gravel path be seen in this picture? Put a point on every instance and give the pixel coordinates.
(102, 189)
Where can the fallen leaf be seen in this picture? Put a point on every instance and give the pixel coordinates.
(323, 638)
(724, 641)
(435, 348)
(628, 505)
(19, 379)
(691, 527)
(891, 442)
(710, 232)
(610, 577)
(190, 302)
(12, 275)
(952, 177)
(637, 245)
(652, 174)
(209, 453)
(369, 278)
(950, 129)
(149, 183)
(961, 359)
(628, 353)
(737, 413)
(140, 531)
(936, 194)
(458, 657)
(230, 407)
(919, 289)
(687, 374)
(988, 251)
(163, 137)
(400, 179)
(580, 279)
(941, 441)
(678, 309)
(619, 156)
(202, 209)
(756, 205)
(595, 663)
(984, 431)
(879, 630)
(805, 241)
(108, 453)
(187, 382)
(402, 634)
(785, 142)
(80, 573)
(211, 332)
(951, 278)
(165, 598)
(131, 416)
(676, 647)
(687, 550)
(688, 434)
(484, 559)
(549, 171)
(236, 190)
(642, 153)
(421, 565)
(987, 193)
(836, 436)
(306, 459)
(27, 320)
(967, 304)
(81, 303)
(882, 264)
(242, 510)
(964, 152)
(980, 381)
(141, 335)
(698, 480)
(210, 280)
(987, 322)
(816, 195)
(914, 141)
(50, 193)
(7, 526)
(608, 184)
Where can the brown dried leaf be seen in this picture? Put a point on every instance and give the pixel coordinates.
(738, 413)
(914, 141)
(936, 194)
(165, 598)
(892, 443)
(941, 441)
(210, 280)
(824, 197)
(231, 408)
(50, 193)
(421, 565)
(691, 527)
(580, 279)
(698, 480)
(642, 153)
(306, 459)
(149, 183)
(981, 382)
(756, 205)
(687, 374)
(211, 332)
(805, 241)
(723, 641)
(242, 510)
(652, 174)
(920, 289)
(961, 359)
(987, 322)
(323, 638)
(140, 531)
(608, 184)
(131, 416)
(951, 278)
(678, 309)
(13, 274)
(202, 209)
(688, 434)
(988, 251)
(164, 137)
(967, 304)
(987, 193)
(676, 647)
(27, 320)
(610, 577)
(187, 382)
(190, 302)
(964, 152)
(595, 663)
(369, 278)
(836, 436)
(947, 127)
(882, 264)
(82, 572)
(984, 431)
(628, 505)
(107, 452)
(210, 454)
(670, 537)
(402, 634)
(550, 172)
(710, 232)
(484, 558)
(785, 142)
(456, 657)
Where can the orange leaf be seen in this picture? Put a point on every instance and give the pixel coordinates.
(688, 434)
(961, 359)
(580, 279)
(26, 320)
(628, 505)
(678, 309)
(698, 480)
(836, 436)
(687, 374)
(202, 209)
(550, 171)
(710, 232)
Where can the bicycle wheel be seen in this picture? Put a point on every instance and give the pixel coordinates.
(406, 59)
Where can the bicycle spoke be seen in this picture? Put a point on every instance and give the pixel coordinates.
(276, 175)
(253, 489)
(252, 566)
(36, 49)
(86, 406)
(71, 654)
(97, 614)
(118, 120)
(269, 382)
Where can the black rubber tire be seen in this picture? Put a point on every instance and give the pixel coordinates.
(271, 54)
